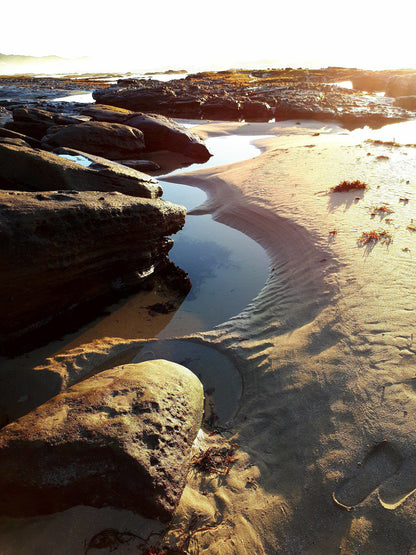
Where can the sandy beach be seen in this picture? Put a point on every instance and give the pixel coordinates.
(325, 429)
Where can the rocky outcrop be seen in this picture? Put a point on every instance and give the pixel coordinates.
(257, 96)
(406, 102)
(35, 122)
(121, 438)
(370, 81)
(27, 169)
(146, 166)
(401, 85)
(160, 133)
(110, 140)
(152, 97)
(61, 251)
(220, 108)
(256, 111)
(111, 114)
(9, 134)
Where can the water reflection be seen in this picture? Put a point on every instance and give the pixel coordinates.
(227, 270)
(403, 132)
(221, 380)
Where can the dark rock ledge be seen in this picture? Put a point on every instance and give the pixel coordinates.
(61, 249)
(263, 95)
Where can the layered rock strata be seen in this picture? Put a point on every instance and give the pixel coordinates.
(110, 140)
(35, 121)
(121, 438)
(27, 169)
(61, 250)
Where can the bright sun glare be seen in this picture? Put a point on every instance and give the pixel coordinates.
(189, 35)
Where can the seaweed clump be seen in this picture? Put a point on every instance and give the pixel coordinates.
(345, 186)
(375, 236)
(215, 460)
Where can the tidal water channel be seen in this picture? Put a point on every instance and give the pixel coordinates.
(226, 267)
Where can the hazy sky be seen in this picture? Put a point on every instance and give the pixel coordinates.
(161, 34)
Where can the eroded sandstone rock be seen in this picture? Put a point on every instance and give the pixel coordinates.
(160, 132)
(27, 169)
(64, 250)
(121, 438)
(35, 122)
(110, 140)
(152, 97)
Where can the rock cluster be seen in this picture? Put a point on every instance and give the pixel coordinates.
(77, 230)
(71, 232)
(121, 438)
(256, 97)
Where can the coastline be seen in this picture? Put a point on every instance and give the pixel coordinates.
(315, 349)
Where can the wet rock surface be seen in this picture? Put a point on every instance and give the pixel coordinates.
(121, 438)
(35, 122)
(64, 249)
(110, 140)
(27, 169)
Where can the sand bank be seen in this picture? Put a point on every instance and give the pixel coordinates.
(326, 350)
(326, 459)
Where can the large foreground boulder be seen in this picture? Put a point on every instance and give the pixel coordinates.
(110, 140)
(27, 169)
(160, 132)
(121, 438)
(60, 251)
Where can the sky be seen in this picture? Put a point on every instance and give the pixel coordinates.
(191, 34)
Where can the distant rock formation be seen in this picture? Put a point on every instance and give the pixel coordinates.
(401, 85)
(235, 96)
(121, 438)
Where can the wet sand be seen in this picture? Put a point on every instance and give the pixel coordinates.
(325, 427)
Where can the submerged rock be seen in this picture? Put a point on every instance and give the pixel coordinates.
(26, 169)
(62, 251)
(110, 140)
(121, 438)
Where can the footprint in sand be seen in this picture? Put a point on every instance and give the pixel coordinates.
(394, 491)
(381, 463)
